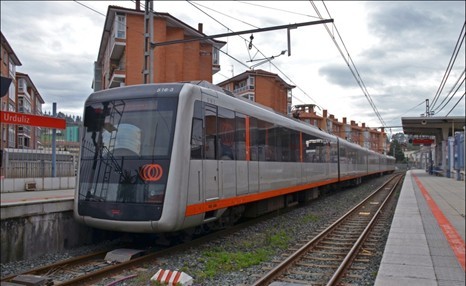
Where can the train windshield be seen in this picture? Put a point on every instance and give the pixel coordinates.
(125, 150)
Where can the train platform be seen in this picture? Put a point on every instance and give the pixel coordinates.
(20, 204)
(426, 241)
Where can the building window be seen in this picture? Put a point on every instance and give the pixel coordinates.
(120, 25)
(22, 85)
(11, 136)
(251, 81)
(12, 68)
(215, 56)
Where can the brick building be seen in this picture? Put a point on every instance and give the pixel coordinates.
(29, 101)
(9, 61)
(263, 87)
(121, 54)
(369, 138)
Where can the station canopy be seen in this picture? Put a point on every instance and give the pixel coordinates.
(440, 127)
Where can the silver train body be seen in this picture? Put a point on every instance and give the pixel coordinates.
(167, 157)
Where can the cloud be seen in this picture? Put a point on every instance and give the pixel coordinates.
(401, 49)
(405, 64)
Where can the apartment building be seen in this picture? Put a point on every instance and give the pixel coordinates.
(9, 62)
(351, 131)
(263, 87)
(121, 54)
(29, 101)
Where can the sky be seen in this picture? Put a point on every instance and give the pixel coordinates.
(401, 51)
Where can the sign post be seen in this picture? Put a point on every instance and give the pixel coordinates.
(32, 120)
(16, 118)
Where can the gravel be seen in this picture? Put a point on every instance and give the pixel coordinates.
(264, 242)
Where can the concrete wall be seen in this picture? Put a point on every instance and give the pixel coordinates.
(36, 235)
(42, 184)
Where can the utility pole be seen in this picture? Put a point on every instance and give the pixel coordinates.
(148, 72)
(427, 108)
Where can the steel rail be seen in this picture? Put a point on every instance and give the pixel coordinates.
(336, 277)
(290, 260)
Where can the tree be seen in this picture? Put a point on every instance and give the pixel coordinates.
(396, 151)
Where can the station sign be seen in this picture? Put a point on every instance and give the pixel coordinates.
(423, 141)
(32, 120)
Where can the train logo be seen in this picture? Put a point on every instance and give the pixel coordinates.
(151, 172)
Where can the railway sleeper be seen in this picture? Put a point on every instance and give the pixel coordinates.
(33, 280)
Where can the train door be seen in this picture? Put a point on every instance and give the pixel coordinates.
(226, 153)
(210, 164)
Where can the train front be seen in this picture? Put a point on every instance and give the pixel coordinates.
(125, 157)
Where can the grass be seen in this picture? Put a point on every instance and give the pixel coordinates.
(220, 260)
(310, 218)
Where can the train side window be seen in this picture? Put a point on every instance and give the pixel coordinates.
(197, 132)
(211, 141)
(226, 134)
(314, 149)
(294, 146)
(270, 142)
(344, 156)
(285, 144)
(240, 142)
(197, 144)
(266, 141)
(253, 138)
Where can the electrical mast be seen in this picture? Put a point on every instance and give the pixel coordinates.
(148, 72)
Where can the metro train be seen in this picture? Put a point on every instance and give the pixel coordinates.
(161, 158)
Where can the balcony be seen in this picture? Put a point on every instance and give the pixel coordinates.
(118, 77)
(118, 48)
(243, 89)
(215, 69)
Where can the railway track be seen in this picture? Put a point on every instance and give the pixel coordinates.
(333, 254)
(91, 268)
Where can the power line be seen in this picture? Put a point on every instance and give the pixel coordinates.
(353, 69)
(450, 66)
(277, 9)
(450, 94)
(142, 5)
(397, 117)
(90, 8)
(221, 13)
(455, 104)
(451, 97)
(261, 54)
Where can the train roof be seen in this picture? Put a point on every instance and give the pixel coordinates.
(227, 98)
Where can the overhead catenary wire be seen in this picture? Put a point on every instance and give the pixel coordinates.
(455, 104)
(102, 14)
(349, 60)
(92, 9)
(142, 5)
(412, 108)
(277, 9)
(281, 72)
(449, 66)
(451, 94)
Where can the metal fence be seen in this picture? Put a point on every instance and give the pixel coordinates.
(33, 163)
